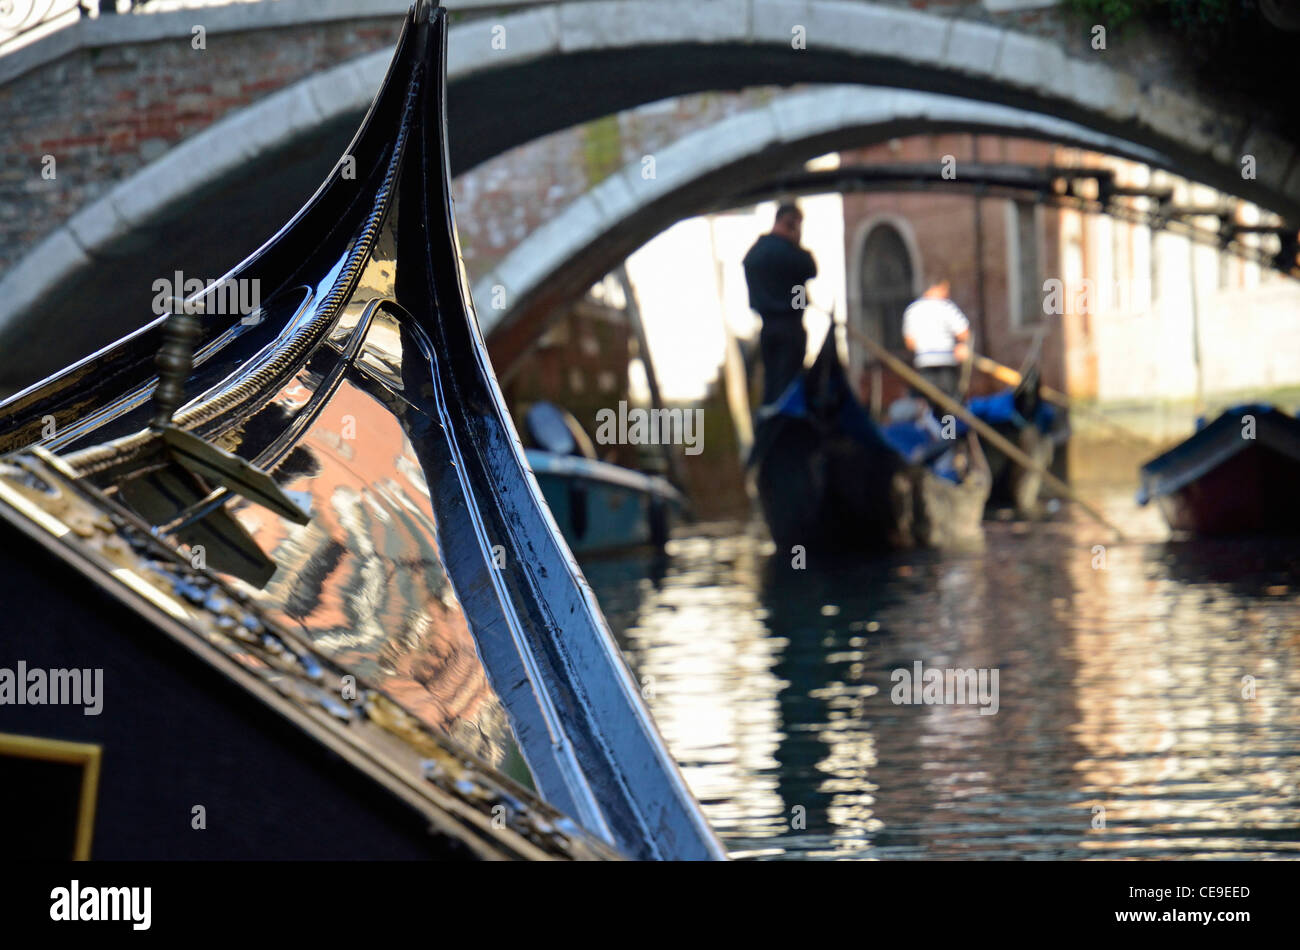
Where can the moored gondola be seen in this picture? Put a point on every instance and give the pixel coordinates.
(1236, 475)
(599, 507)
(1024, 418)
(831, 480)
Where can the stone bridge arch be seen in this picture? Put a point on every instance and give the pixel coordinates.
(581, 244)
(571, 61)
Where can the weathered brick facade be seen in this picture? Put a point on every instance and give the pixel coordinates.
(505, 199)
(1137, 306)
(944, 229)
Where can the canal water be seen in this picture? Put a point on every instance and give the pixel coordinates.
(1148, 691)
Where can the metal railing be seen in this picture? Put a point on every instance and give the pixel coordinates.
(23, 22)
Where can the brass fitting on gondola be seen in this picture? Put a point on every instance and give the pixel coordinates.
(175, 359)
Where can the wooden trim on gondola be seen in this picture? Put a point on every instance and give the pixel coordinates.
(85, 754)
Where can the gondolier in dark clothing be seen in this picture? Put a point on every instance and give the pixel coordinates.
(776, 268)
(936, 331)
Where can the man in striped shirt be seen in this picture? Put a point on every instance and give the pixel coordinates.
(936, 331)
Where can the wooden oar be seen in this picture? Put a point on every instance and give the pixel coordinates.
(1011, 450)
(1009, 376)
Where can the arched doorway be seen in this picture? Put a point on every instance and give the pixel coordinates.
(886, 284)
(886, 267)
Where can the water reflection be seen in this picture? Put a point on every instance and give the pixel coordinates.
(1124, 728)
(364, 580)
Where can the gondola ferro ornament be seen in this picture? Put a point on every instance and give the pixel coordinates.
(174, 361)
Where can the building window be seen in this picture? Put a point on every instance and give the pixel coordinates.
(1024, 263)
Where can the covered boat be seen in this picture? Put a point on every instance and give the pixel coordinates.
(305, 552)
(830, 479)
(1236, 475)
(599, 507)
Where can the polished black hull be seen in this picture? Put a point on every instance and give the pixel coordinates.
(1012, 486)
(828, 482)
(1038, 433)
(1238, 475)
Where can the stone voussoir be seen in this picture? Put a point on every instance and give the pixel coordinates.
(492, 42)
(54, 259)
(973, 48)
(869, 29)
(97, 225)
(1030, 62)
(615, 195)
(794, 116)
(1180, 117)
(614, 23)
(1114, 92)
(350, 86)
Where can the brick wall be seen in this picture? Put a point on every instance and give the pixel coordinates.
(944, 227)
(505, 199)
(106, 113)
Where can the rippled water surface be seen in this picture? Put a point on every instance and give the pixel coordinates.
(1148, 693)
